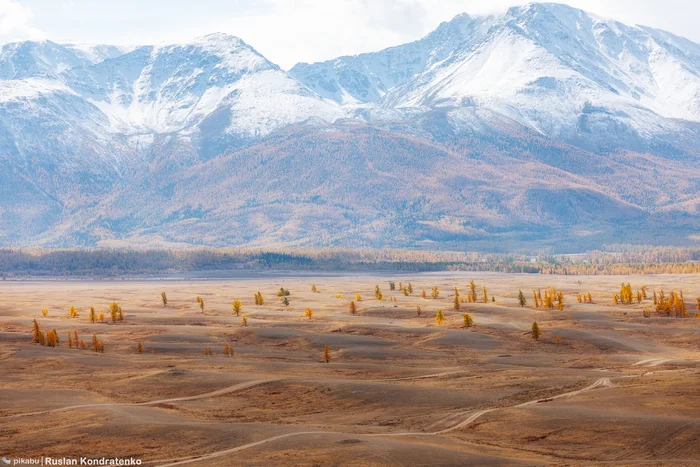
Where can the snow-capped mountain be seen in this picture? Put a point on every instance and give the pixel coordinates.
(539, 124)
(553, 68)
(178, 87)
(21, 60)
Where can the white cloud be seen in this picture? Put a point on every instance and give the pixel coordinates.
(15, 22)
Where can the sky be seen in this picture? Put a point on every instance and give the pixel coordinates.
(291, 31)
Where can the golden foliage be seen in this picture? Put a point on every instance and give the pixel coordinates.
(51, 338)
(259, 300)
(440, 318)
(237, 307)
(97, 345)
(114, 311)
(673, 306)
(37, 335)
(468, 320)
(378, 293)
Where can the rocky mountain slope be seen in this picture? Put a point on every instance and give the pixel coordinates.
(527, 128)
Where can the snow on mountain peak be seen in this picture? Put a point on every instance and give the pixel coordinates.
(549, 66)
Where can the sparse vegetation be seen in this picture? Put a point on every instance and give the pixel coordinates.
(673, 306)
(439, 317)
(411, 351)
(237, 307)
(114, 312)
(468, 320)
(37, 335)
(97, 345)
(51, 338)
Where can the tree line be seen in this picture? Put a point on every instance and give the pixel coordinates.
(615, 260)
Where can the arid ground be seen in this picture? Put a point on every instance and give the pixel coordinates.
(616, 388)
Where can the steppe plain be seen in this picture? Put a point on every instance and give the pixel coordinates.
(616, 388)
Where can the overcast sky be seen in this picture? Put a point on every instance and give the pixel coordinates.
(289, 31)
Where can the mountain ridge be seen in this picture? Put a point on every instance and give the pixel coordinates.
(558, 125)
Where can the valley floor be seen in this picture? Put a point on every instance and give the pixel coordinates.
(615, 388)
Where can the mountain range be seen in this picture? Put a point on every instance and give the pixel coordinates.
(542, 127)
